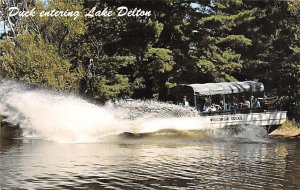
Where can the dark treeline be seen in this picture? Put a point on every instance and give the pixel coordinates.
(143, 57)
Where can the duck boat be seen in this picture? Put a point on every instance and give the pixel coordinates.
(231, 104)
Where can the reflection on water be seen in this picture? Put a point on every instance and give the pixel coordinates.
(143, 163)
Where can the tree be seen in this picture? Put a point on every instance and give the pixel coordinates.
(274, 56)
(103, 79)
(32, 60)
(220, 40)
(157, 65)
(193, 41)
(61, 31)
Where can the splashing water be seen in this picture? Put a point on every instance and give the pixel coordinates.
(150, 109)
(250, 133)
(63, 118)
(70, 119)
(55, 117)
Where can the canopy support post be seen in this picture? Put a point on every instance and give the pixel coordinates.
(251, 100)
(195, 100)
(224, 99)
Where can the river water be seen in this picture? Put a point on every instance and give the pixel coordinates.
(156, 162)
(66, 142)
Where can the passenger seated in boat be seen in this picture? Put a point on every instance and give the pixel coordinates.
(256, 104)
(251, 101)
(185, 101)
(218, 107)
(245, 103)
(213, 107)
(223, 105)
(233, 105)
(206, 105)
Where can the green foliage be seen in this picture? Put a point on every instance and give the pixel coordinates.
(221, 43)
(110, 89)
(103, 79)
(142, 57)
(206, 66)
(290, 125)
(234, 40)
(59, 31)
(34, 61)
(159, 60)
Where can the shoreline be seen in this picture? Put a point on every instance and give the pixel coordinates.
(290, 129)
(285, 133)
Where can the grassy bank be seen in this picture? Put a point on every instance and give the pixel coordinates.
(289, 129)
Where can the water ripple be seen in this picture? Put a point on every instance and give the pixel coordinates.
(142, 164)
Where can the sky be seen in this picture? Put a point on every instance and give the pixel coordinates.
(1, 28)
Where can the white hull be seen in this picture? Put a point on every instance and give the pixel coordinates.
(271, 118)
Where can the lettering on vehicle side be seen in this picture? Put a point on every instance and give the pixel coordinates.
(231, 118)
(220, 119)
(236, 118)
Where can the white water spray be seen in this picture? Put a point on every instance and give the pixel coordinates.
(70, 119)
(56, 117)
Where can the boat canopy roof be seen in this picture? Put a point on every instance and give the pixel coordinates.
(223, 87)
